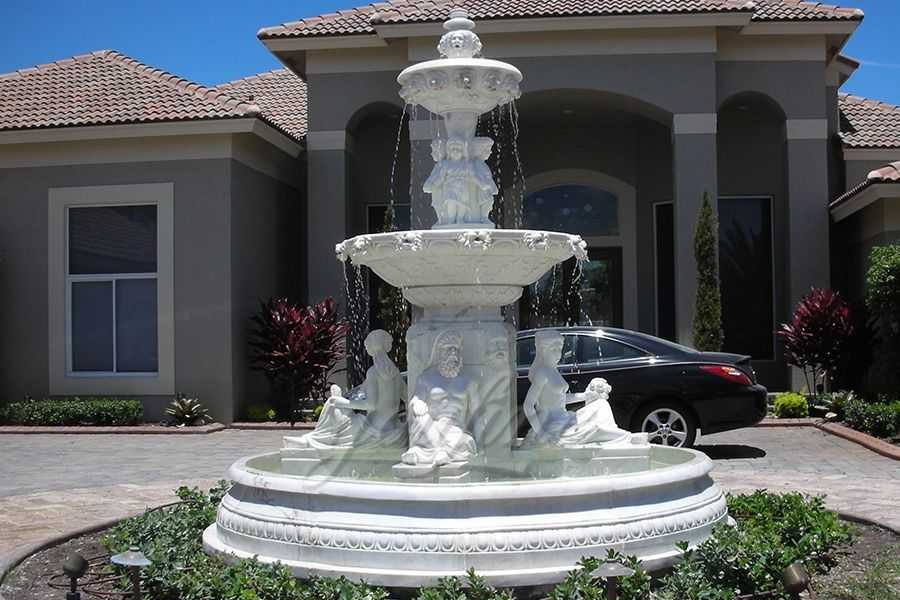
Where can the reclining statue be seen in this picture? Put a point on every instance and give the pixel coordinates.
(552, 424)
(341, 426)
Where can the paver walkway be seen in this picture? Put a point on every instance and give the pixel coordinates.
(51, 484)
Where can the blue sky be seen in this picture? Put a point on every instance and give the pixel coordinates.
(215, 41)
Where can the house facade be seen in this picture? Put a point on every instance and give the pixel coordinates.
(629, 115)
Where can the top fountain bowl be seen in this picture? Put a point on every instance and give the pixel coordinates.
(438, 268)
(446, 85)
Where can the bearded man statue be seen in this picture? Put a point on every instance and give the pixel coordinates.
(439, 407)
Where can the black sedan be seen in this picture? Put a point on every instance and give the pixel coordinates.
(670, 391)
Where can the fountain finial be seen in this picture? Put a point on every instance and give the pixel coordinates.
(460, 41)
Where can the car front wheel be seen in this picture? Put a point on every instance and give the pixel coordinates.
(667, 424)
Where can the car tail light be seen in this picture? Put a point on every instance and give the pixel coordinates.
(732, 374)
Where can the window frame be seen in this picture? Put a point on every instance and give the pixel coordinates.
(62, 380)
(770, 199)
(105, 278)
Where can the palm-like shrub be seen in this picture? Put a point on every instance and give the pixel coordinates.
(819, 335)
(186, 411)
(297, 345)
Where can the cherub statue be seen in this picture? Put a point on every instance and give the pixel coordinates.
(487, 189)
(458, 183)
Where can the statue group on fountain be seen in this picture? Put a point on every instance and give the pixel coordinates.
(461, 185)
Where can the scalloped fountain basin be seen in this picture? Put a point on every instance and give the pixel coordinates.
(515, 527)
(459, 267)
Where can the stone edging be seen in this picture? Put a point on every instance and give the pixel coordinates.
(134, 429)
(842, 431)
(872, 443)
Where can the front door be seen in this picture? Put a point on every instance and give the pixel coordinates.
(601, 288)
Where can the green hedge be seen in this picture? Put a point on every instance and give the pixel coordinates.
(790, 405)
(879, 419)
(73, 411)
(772, 532)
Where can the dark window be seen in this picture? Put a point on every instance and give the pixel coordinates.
(597, 349)
(112, 278)
(112, 239)
(745, 269)
(525, 351)
(573, 209)
(562, 297)
(665, 271)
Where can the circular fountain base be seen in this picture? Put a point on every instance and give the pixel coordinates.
(514, 528)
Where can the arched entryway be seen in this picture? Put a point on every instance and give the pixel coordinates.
(595, 163)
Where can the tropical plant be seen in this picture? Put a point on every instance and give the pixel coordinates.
(819, 336)
(708, 308)
(186, 411)
(297, 345)
(791, 406)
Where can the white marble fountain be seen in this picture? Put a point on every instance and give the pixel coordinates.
(402, 499)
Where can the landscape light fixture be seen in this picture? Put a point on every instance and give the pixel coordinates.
(133, 560)
(610, 571)
(796, 579)
(75, 566)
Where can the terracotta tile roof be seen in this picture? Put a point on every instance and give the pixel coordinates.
(887, 174)
(361, 20)
(281, 97)
(106, 87)
(869, 123)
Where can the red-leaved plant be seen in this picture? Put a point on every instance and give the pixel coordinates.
(819, 335)
(299, 345)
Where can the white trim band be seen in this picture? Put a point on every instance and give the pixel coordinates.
(807, 129)
(695, 123)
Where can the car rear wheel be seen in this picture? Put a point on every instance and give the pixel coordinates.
(667, 424)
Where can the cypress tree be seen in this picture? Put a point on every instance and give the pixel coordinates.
(708, 307)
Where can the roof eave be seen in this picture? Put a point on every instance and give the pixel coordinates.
(227, 125)
(862, 196)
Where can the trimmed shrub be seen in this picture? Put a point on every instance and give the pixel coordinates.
(708, 334)
(790, 405)
(878, 419)
(259, 413)
(773, 531)
(73, 411)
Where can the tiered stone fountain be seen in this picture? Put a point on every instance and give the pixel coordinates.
(402, 500)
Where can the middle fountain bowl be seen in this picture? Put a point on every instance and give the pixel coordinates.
(462, 267)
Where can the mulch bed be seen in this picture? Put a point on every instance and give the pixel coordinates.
(31, 579)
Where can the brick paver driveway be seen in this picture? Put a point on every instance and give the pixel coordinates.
(51, 484)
